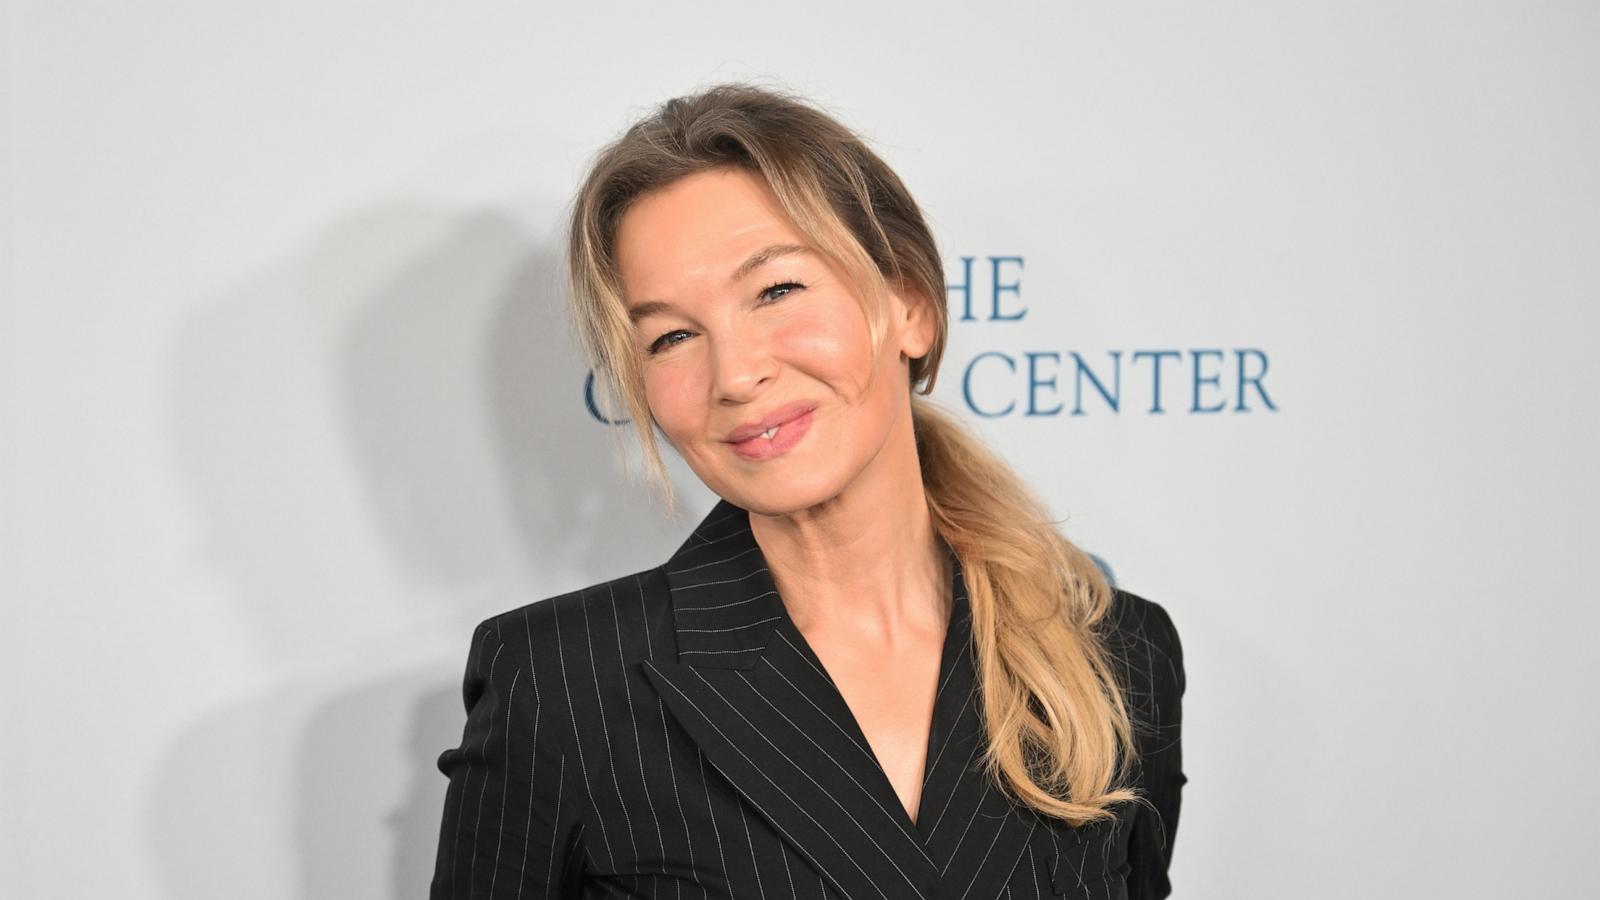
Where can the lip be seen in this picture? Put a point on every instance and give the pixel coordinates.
(779, 416)
(790, 432)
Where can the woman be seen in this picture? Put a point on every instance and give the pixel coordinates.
(875, 669)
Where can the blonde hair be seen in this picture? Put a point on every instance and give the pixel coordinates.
(1060, 739)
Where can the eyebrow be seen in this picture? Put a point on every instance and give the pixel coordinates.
(757, 260)
(763, 256)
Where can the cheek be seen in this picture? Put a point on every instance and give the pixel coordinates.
(672, 398)
(832, 348)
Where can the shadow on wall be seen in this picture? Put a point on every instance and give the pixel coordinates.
(396, 417)
(435, 723)
(309, 791)
(404, 812)
(381, 434)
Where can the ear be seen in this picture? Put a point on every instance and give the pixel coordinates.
(915, 322)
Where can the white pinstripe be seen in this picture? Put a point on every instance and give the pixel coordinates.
(960, 841)
(717, 562)
(605, 727)
(577, 737)
(466, 780)
(708, 526)
(711, 810)
(741, 650)
(650, 654)
(700, 609)
(986, 854)
(550, 864)
(633, 715)
(533, 768)
(783, 851)
(500, 839)
(1033, 866)
(961, 714)
(472, 870)
(743, 577)
(755, 863)
(970, 755)
(732, 627)
(688, 835)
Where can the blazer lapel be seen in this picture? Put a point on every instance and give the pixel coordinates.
(750, 692)
(966, 823)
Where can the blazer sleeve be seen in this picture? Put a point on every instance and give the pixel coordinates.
(1161, 759)
(512, 823)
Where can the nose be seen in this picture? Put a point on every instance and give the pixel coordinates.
(741, 366)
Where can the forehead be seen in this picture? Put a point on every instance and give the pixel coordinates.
(697, 230)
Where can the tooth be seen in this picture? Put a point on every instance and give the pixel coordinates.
(770, 432)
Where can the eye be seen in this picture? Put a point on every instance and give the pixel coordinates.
(770, 294)
(663, 342)
(781, 289)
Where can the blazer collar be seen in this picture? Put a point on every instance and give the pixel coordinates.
(760, 705)
(725, 604)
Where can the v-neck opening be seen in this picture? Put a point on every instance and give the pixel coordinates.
(939, 729)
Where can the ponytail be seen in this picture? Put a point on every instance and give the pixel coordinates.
(1059, 732)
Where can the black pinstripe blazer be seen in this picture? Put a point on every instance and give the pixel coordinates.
(671, 734)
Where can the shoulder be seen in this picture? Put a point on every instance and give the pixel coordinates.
(628, 611)
(1143, 642)
(1148, 657)
(1141, 622)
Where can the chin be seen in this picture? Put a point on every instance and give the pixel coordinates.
(778, 493)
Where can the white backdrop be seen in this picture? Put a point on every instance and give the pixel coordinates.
(291, 403)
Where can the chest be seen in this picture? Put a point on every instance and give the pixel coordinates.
(891, 696)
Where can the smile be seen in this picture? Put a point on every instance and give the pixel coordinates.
(775, 441)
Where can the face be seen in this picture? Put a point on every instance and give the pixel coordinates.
(740, 328)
